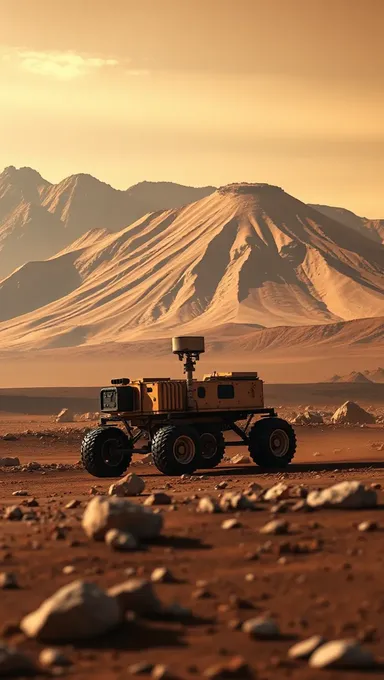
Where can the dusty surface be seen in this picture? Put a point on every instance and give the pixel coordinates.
(336, 589)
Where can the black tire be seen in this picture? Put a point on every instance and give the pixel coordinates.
(212, 446)
(272, 443)
(166, 456)
(106, 452)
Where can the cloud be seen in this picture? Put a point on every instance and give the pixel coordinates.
(61, 65)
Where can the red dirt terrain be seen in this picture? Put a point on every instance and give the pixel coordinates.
(323, 577)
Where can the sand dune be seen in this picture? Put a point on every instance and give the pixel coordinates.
(37, 218)
(246, 254)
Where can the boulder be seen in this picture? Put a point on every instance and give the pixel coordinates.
(65, 416)
(130, 485)
(104, 513)
(342, 654)
(136, 595)
(77, 611)
(353, 414)
(348, 494)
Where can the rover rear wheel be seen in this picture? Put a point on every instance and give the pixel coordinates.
(212, 446)
(106, 452)
(272, 443)
(176, 449)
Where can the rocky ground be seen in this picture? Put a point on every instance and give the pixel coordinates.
(317, 572)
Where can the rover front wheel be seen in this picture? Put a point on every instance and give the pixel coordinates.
(106, 452)
(176, 449)
(272, 443)
(212, 447)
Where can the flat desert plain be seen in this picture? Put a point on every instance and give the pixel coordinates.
(320, 576)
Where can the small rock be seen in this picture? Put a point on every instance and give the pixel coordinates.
(15, 663)
(8, 580)
(20, 492)
(9, 437)
(276, 526)
(158, 498)
(77, 611)
(130, 485)
(368, 525)
(235, 501)
(241, 459)
(73, 504)
(161, 672)
(120, 540)
(69, 569)
(231, 524)
(140, 668)
(104, 513)
(9, 462)
(236, 669)
(208, 505)
(342, 654)
(162, 575)
(13, 513)
(277, 492)
(50, 657)
(261, 627)
(136, 595)
(65, 416)
(221, 485)
(347, 494)
(304, 649)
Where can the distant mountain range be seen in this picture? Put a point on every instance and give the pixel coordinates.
(242, 254)
(37, 218)
(375, 375)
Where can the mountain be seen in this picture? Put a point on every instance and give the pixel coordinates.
(374, 229)
(245, 254)
(367, 376)
(38, 218)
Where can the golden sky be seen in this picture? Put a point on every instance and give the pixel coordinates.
(289, 92)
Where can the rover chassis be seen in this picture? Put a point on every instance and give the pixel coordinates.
(181, 443)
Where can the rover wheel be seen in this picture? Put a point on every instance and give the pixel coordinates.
(105, 452)
(212, 446)
(272, 443)
(176, 449)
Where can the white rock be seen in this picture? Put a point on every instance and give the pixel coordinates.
(50, 657)
(162, 575)
(261, 627)
(304, 649)
(352, 413)
(277, 492)
(103, 513)
(14, 662)
(130, 485)
(77, 611)
(347, 494)
(20, 492)
(368, 525)
(136, 595)
(65, 416)
(208, 505)
(342, 654)
(120, 540)
(241, 459)
(276, 526)
(230, 524)
(9, 462)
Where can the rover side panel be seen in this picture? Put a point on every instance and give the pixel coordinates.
(225, 395)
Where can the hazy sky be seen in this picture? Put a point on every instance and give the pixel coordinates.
(289, 92)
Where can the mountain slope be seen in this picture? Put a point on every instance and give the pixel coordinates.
(246, 254)
(37, 218)
(374, 229)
